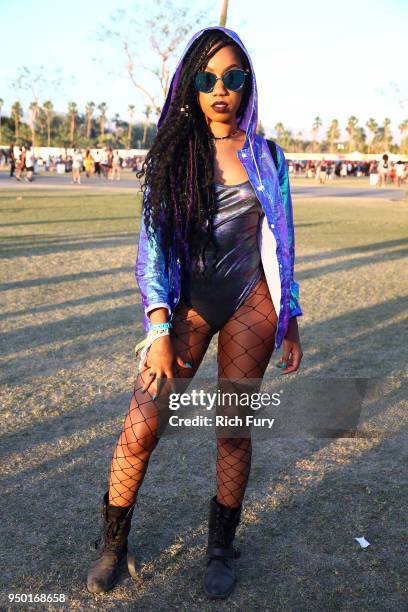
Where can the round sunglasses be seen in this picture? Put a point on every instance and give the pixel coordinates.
(233, 80)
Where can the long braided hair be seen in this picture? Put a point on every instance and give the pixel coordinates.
(178, 191)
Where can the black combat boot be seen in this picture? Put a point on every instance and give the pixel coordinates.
(219, 578)
(112, 547)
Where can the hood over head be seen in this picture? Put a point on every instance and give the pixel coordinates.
(249, 120)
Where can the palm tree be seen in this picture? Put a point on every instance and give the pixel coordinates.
(352, 129)
(387, 136)
(17, 112)
(72, 114)
(131, 110)
(403, 128)
(103, 107)
(279, 129)
(333, 134)
(89, 109)
(317, 122)
(1, 107)
(372, 127)
(48, 109)
(34, 110)
(148, 109)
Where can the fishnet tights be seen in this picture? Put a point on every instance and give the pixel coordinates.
(245, 346)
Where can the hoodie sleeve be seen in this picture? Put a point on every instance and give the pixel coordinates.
(295, 309)
(151, 271)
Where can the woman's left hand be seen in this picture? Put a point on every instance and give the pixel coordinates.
(291, 349)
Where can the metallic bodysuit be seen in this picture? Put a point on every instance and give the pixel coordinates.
(235, 267)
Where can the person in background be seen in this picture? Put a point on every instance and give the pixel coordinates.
(20, 162)
(77, 161)
(384, 168)
(29, 163)
(12, 160)
(393, 173)
(323, 172)
(110, 164)
(97, 162)
(115, 174)
(105, 162)
(399, 172)
(88, 163)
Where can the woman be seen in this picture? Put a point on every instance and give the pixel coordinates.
(12, 160)
(88, 163)
(77, 162)
(216, 254)
(116, 166)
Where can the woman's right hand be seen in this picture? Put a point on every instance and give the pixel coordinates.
(160, 360)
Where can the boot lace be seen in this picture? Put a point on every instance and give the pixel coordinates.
(111, 542)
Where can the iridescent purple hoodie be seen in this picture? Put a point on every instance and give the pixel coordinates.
(160, 285)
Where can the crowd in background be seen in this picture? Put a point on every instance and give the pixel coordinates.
(379, 172)
(107, 163)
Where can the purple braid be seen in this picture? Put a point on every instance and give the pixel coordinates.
(180, 240)
(190, 197)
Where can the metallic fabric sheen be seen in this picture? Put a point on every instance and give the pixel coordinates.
(234, 268)
(158, 274)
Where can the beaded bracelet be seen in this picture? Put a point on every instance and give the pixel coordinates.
(145, 344)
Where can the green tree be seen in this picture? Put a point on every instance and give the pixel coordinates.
(403, 128)
(352, 129)
(131, 111)
(72, 116)
(89, 110)
(148, 109)
(279, 129)
(333, 135)
(34, 109)
(48, 110)
(102, 107)
(372, 127)
(387, 136)
(17, 112)
(317, 122)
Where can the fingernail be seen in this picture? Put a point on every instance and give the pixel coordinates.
(281, 365)
(142, 390)
(188, 365)
(154, 396)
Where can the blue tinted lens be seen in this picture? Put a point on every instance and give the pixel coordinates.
(205, 81)
(234, 79)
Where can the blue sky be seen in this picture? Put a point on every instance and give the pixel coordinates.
(331, 59)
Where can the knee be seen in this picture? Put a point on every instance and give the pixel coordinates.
(139, 444)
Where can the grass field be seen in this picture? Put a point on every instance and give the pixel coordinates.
(71, 316)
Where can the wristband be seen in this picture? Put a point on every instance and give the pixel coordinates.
(166, 325)
(145, 344)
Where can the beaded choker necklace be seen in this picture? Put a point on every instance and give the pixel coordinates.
(228, 136)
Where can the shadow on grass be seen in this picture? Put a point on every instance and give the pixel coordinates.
(344, 252)
(90, 299)
(65, 221)
(300, 548)
(67, 244)
(63, 278)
